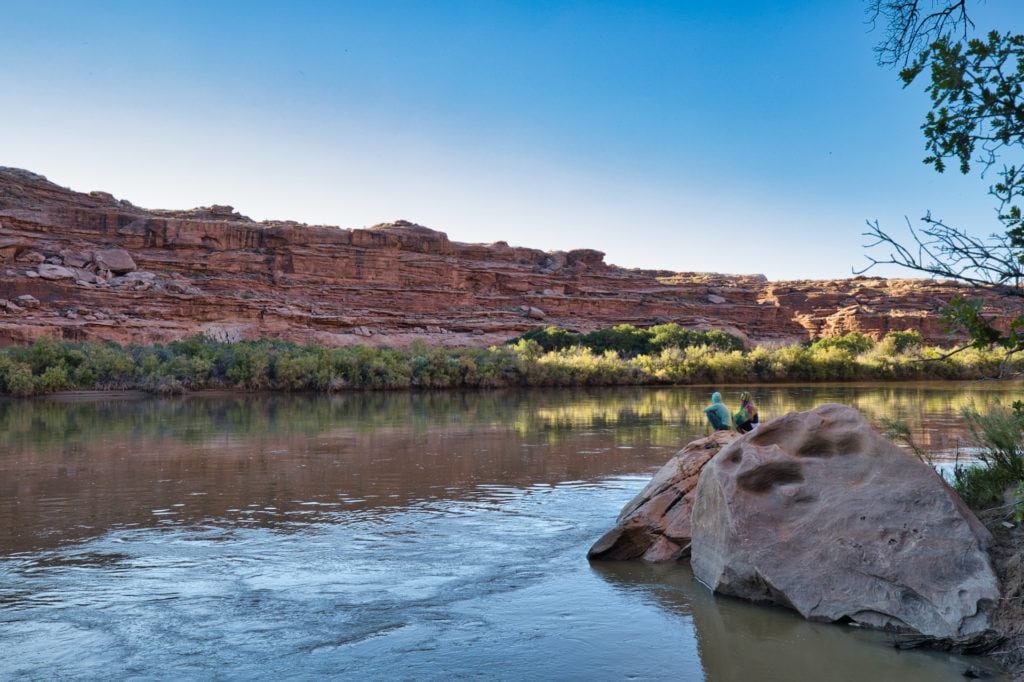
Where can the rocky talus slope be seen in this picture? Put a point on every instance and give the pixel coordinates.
(89, 266)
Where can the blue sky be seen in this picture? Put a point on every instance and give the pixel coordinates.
(732, 137)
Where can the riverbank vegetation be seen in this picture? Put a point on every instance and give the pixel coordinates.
(999, 478)
(624, 355)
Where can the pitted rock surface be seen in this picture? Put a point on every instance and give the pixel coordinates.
(818, 512)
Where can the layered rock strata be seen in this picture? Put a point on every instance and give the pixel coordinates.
(104, 269)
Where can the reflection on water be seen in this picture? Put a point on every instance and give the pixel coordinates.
(402, 535)
(737, 640)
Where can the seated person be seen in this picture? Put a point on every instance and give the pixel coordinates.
(718, 414)
(746, 419)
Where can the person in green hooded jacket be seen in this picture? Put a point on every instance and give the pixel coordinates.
(718, 414)
(746, 419)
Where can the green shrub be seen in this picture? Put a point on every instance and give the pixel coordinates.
(671, 335)
(247, 364)
(630, 341)
(53, 379)
(16, 377)
(896, 343)
(670, 355)
(624, 339)
(999, 433)
(854, 343)
(42, 354)
(550, 338)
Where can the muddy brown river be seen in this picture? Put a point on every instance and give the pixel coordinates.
(392, 536)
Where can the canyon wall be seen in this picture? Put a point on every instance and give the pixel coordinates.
(90, 267)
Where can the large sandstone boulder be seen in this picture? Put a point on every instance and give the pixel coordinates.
(817, 512)
(655, 525)
(118, 261)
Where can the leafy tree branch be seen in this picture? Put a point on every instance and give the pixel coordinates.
(976, 121)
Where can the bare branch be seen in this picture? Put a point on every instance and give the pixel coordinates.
(950, 253)
(910, 25)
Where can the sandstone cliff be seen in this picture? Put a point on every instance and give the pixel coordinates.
(88, 266)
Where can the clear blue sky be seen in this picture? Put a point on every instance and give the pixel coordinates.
(728, 136)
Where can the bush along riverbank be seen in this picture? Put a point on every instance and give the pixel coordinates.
(994, 488)
(623, 355)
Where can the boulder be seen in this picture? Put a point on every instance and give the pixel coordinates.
(139, 281)
(10, 246)
(655, 525)
(50, 271)
(75, 259)
(817, 512)
(181, 287)
(535, 313)
(27, 301)
(83, 275)
(118, 261)
(716, 299)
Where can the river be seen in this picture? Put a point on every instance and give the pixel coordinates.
(392, 536)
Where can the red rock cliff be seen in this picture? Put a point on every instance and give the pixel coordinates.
(87, 266)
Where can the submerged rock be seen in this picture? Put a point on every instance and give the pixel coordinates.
(655, 525)
(817, 512)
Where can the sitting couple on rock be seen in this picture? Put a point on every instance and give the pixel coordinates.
(720, 419)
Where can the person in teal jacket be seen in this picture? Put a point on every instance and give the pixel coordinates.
(718, 414)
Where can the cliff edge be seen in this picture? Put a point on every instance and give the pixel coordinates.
(87, 266)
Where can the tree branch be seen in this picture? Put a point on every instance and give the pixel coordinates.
(948, 252)
(912, 24)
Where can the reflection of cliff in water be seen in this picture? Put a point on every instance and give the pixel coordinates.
(932, 409)
(75, 468)
(740, 641)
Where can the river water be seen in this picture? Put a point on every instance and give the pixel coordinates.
(391, 536)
